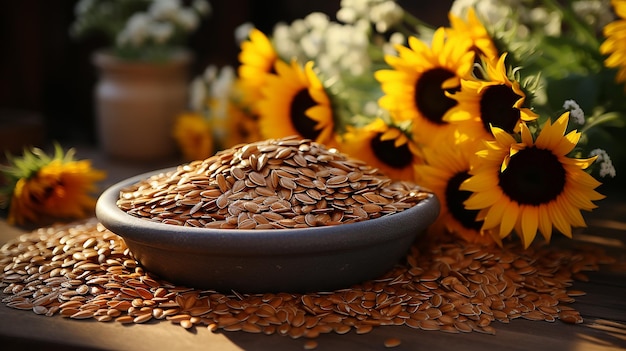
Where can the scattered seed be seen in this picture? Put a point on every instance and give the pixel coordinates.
(310, 345)
(445, 285)
(392, 342)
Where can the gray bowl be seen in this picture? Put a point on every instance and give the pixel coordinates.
(259, 261)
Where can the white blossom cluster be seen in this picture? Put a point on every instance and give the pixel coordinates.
(343, 47)
(161, 22)
(606, 165)
(518, 15)
(210, 94)
(384, 14)
(145, 29)
(575, 112)
(335, 47)
(525, 16)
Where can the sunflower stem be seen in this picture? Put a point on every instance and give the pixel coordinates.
(415, 23)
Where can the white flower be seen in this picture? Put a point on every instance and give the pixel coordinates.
(223, 82)
(210, 95)
(346, 48)
(498, 14)
(140, 29)
(576, 113)
(136, 31)
(242, 32)
(83, 7)
(551, 21)
(385, 15)
(209, 74)
(161, 32)
(312, 41)
(286, 46)
(353, 10)
(202, 6)
(606, 165)
(316, 21)
(371, 108)
(396, 38)
(197, 94)
(188, 19)
(336, 48)
(164, 9)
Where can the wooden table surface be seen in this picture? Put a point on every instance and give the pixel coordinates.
(603, 309)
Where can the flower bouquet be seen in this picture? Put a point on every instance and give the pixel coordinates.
(500, 113)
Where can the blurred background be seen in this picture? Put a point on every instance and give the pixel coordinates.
(47, 78)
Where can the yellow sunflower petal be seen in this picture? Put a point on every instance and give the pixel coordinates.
(482, 199)
(551, 134)
(502, 137)
(509, 218)
(527, 137)
(494, 216)
(558, 219)
(545, 224)
(529, 224)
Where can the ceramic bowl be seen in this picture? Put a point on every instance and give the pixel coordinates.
(259, 261)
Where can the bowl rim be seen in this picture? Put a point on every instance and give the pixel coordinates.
(255, 241)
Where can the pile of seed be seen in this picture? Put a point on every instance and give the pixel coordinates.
(83, 271)
(271, 184)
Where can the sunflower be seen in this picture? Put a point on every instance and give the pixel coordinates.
(445, 167)
(615, 43)
(194, 137)
(257, 58)
(241, 127)
(415, 89)
(58, 189)
(532, 185)
(482, 44)
(383, 146)
(497, 102)
(295, 103)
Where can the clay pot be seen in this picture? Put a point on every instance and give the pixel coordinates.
(137, 103)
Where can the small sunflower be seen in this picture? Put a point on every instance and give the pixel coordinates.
(193, 134)
(295, 103)
(383, 146)
(241, 127)
(497, 102)
(257, 58)
(446, 165)
(532, 185)
(615, 43)
(415, 89)
(42, 188)
(474, 29)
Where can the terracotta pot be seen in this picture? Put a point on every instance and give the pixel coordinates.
(137, 102)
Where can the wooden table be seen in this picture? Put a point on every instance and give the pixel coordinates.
(603, 309)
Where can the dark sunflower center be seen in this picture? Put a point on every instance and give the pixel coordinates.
(389, 154)
(496, 108)
(455, 199)
(430, 99)
(533, 177)
(304, 125)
